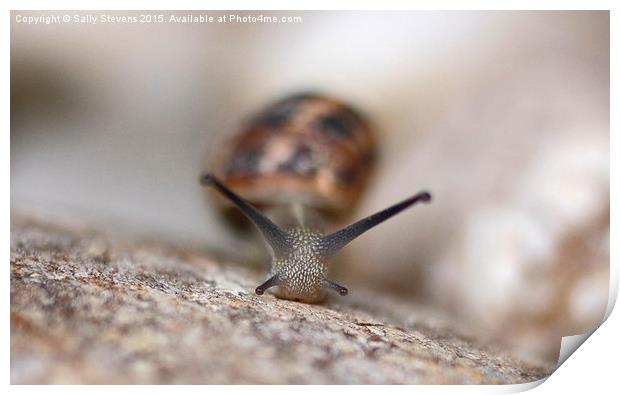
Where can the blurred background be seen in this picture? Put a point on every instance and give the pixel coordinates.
(504, 116)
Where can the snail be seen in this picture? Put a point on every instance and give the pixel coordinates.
(305, 158)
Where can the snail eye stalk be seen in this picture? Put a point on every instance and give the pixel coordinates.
(332, 243)
(274, 236)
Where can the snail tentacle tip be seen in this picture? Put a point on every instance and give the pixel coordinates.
(425, 196)
(336, 287)
(271, 282)
(207, 179)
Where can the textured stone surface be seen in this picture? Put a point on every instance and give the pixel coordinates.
(85, 309)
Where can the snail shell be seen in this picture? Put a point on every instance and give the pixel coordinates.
(305, 148)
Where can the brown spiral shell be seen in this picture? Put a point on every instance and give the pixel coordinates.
(305, 148)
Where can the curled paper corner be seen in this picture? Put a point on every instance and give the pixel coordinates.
(570, 344)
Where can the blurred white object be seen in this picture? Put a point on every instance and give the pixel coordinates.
(527, 267)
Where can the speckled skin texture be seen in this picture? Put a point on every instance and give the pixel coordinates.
(303, 269)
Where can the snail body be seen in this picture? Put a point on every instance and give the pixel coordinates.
(306, 156)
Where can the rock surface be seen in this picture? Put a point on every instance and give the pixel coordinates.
(86, 309)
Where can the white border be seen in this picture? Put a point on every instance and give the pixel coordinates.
(594, 365)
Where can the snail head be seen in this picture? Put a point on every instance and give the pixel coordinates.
(300, 254)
